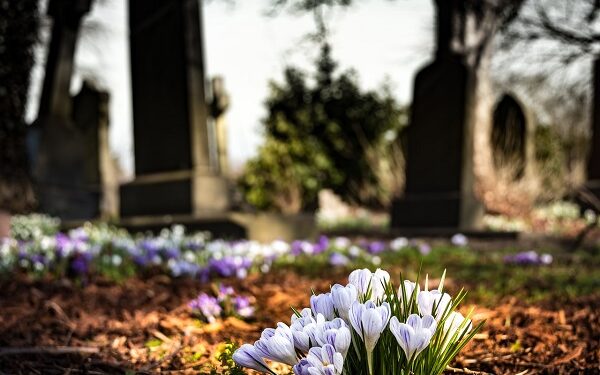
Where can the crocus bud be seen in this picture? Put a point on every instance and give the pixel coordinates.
(409, 288)
(342, 298)
(361, 279)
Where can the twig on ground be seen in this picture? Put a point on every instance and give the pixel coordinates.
(466, 371)
(163, 359)
(58, 350)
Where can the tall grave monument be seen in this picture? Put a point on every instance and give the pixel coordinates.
(439, 169)
(58, 145)
(175, 174)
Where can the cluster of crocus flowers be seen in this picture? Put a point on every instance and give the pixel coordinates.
(366, 327)
(226, 303)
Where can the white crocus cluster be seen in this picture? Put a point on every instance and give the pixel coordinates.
(341, 331)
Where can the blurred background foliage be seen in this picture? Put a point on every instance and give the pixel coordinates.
(323, 131)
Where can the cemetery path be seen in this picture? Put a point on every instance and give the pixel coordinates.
(144, 326)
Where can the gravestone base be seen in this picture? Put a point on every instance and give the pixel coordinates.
(174, 193)
(211, 194)
(425, 211)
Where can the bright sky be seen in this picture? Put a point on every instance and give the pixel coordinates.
(378, 38)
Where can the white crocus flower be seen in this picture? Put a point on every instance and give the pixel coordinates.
(343, 298)
(459, 240)
(409, 288)
(399, 243)
(335, 333)
(278, 345)
(321, 361)
(365, 281)
(454, 327)
(340, 339)
(414, 335)
(433, 303)
(369, 321)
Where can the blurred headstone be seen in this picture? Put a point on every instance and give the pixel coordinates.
(439, 169)
(218, 107)
(174, 170)
(91, 116)
(58, 147)
(510, 137)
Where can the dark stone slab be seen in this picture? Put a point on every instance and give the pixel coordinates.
(161, 117)
(156, 198)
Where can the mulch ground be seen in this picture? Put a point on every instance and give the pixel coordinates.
(56, 327)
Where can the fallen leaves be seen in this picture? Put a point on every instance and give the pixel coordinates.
(117, 321)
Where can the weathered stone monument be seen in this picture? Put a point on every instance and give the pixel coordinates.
(59, 156)
(175, 174)
(439, 169)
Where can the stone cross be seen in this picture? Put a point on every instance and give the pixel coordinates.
(218, 106)
(66, 16)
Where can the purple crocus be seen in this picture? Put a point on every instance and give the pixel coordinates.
(172, 252)
(296, 248)
(376, 247)
(243, 307)
(321, 245)
(338, 260)
(64, 245)
(225, 292)
(182, 268)
(228, 266)
(206, 306)
(424, 248)
(80, 263)
(529, 258)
